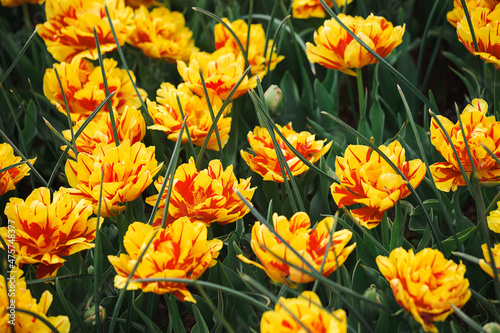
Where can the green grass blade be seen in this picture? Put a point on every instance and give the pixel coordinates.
(18, 57)
(106, 90)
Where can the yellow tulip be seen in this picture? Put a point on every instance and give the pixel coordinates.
(138, 3)
(181, 250)
(257, 46)
(84, 88)
(425, 284)
(306, 308)
(486, 262)
(130, 125)
(22, 299)
(457, 13)
(304, 9)
(162, 34)
(486, 23)
(168, 116)
(15, 3)
(221, 71)
(47, 230)
(128, 171)
(9, 178)
(278, 260)
(367, 179)
(336, 49)
(207, 196)
(265, 161)
(479, 130)
(69, 29)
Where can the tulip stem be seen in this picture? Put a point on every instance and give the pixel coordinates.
(361, 94)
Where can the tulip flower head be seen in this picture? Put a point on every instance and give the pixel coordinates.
(10, 177)
(22, 299)
(486, 263)
(128, 171)
(336, 49)
(366, 178)
(83, 88)
(162, 34)
(260, 52)
(206, 196)
(69, 29)
(486, 23)
(304, 9)
(15, 3)
(130, 125)
(49, 230)
(425, 284)
(221, 71)
(479, 130)
(264, 161)
(456, 15)
(181, 250)
(308, 309)
(282, 265)
(168, 116)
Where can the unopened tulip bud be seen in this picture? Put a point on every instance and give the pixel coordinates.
(274, 100)
(492, 327)
(89, 315)
(369, 310)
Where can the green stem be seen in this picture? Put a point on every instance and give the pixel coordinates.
(361, 93)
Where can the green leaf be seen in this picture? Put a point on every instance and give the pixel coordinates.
(293, 110)
(377, 120)
(449, 244)
(30, 129)
(200, 326)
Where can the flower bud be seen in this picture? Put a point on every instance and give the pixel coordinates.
(274, 100)
(89, 315)
(370, 311)
(492, 327)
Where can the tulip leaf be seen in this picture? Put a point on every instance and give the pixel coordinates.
(200, 326)
(30, 129)
(149, 323)
(293, 110)
(425, 239)
(398, 228)
(71, 311)
(173, 313)
(449, 244)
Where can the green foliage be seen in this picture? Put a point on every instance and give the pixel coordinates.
(397, 98)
